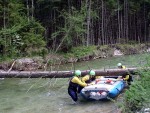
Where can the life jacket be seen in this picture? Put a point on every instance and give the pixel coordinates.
(124, 75)
(72, 85)
(130, 77)
(123, 67)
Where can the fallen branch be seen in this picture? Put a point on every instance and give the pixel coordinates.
(62, 74)
(11, 66)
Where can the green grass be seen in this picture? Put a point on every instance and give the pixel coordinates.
(138, 96)
(81, 51)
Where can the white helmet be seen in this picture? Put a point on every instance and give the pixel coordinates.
(119, 64)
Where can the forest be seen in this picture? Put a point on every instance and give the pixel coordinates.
(40, 26)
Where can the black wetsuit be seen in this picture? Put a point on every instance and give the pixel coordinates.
(72, 90)
(130, 78)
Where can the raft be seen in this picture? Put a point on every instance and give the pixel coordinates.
(104, 88)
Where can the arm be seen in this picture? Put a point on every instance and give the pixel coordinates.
(85, 78)
(126, 78)
(123, 67)
(78, 81)
(98, 77)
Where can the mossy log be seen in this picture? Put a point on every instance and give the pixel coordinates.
(62, 74)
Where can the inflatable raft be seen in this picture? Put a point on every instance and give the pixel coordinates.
(103, 89)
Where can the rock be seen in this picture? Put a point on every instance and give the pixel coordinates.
(71, 60)
(104, 55)
(5, 66)
(99, 54)
(27, 64)
(148, 50)
(147, 110)
(117, 53)
(144, 110)
(24, 60)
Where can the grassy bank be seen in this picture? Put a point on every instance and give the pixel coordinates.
(137, 98)
(86, 53)
(76, 54)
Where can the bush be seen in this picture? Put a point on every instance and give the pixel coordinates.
(128, 49)
(138, 94)
(81, 51)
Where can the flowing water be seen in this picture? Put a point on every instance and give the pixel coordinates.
(50, 95)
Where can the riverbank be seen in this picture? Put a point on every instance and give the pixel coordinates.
(76, 54)
(136, 99)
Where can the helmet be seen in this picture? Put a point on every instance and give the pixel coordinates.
(77, 73)
(92, 73)
(119, 64)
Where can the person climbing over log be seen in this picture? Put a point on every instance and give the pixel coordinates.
(126, 77)
(88, 79)
(73, 85)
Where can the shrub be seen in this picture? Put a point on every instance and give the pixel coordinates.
(138, 94)
(81, 51)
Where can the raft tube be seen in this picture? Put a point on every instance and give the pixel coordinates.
(103, 89)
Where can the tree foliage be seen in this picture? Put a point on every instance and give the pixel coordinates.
(73, 29)
(137, 97)
(63, 24)
(19, 34)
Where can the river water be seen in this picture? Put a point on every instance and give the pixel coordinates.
(50, 95)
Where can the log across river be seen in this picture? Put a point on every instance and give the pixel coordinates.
(62, 74)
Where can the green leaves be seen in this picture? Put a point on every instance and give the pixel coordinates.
(73, 28)
(20, 34)
(138, 94)
(82, 51)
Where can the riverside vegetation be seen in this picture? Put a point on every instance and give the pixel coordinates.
(37, 61)
(136, 98)
(36, 27)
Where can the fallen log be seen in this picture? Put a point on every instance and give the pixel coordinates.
(62, 74)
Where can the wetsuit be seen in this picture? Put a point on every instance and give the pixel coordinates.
(73, 85)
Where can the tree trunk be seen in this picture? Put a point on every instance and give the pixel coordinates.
(32, 9)
(88, 2)
(62, 74)
(145, 23)
(27, 5)
(102, 22)
(118, 22)
(4, 16)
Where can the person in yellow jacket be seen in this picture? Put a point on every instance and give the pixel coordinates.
(88, 79)
(91, 77)
(125, 77)
(73, 85)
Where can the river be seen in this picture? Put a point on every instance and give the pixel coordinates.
(50, 95)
